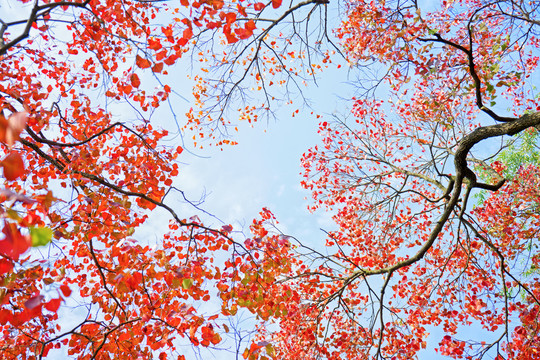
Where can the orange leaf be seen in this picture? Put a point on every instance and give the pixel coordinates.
(186, 36)
(154, 44)
(172, 59)
(13, 166)
(243, 33)
(216, 339)
(241, 10)
(160, 55)
(66, 291)
(53, 305)
(157, 68)
(135, 81)
(213, 24)
(142, 62)
(218, 4)
(230, 37)
(250, 25)
(230, 17)
(192, 331)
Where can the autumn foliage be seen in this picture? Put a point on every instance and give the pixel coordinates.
(80, 179)
(434, 199)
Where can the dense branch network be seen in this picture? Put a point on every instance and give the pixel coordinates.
(359, 173)
(409, 250)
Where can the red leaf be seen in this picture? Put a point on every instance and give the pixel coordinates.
(187, 34)
(14, 244)
(53, 305)
(66, 291)
(259, 6)
(230, 36)
(250, 25)
(13, 166)
(213, 24)
(5, 316)
(243, 34)
(172, 59)
(154, 44)
(276, 3)
(218, 4)
(241, 10)
(230, 17)
(142, 62)
(5, 266)
(157, 68)
(135, 81)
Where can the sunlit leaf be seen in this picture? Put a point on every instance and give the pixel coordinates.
(53, 305)
(41, 236)
(187, 283)
(13, 166)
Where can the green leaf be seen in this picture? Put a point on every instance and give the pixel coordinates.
(40, 235)
(270, 349)
(187, 283)
(522, 150)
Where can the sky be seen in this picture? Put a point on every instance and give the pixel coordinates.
(262, 170)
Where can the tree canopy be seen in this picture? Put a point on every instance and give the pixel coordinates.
(432, 179)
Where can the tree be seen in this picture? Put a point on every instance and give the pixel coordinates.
(409, 252)
(84, 162)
